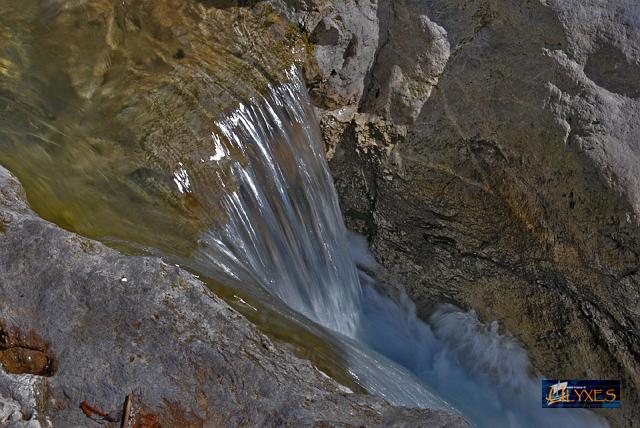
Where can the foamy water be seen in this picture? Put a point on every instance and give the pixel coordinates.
(278, 228)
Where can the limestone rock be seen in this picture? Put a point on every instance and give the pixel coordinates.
(411, 58)
(516, 189)
(344, 35)
(118, 324)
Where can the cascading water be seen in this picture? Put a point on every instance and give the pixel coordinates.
(278, 229)
(284, 231)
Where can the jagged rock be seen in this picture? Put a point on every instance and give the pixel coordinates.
(117, 324)
(516, 189)
(411, 57)
(345, 37)
(19, 400)
(9, 411)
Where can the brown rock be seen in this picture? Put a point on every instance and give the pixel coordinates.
(516, 188)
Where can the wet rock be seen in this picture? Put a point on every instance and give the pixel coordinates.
(162, 335)
(512, 183)
(487, 149)
(129, 92)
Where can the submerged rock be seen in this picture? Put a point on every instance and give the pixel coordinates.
(116, 325)
(104, 101)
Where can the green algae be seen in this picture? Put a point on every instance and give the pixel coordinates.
(100, 101)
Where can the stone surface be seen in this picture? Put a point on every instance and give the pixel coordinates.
(412, 54)
(488, 149)
(115, 325)
(102, 101)
(344, 35)
(493, 162)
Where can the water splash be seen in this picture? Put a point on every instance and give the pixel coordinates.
(484, 374)
(278, 229)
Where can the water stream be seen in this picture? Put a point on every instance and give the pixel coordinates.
(278, 229)
(110, 119)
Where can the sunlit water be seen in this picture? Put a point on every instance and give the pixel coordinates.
(282, 232)
(108, 117)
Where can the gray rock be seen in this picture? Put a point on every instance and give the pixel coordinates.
(516, 188)
(111, 325)
(411, 57)
(19, 400)
(9, 410)
(344, 35)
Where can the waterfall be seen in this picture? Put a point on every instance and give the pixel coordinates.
(277, 229)
(284, 231)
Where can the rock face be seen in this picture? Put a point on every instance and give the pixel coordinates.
(95, 325)
(492, 160)
(345, 38)
(488, 149)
